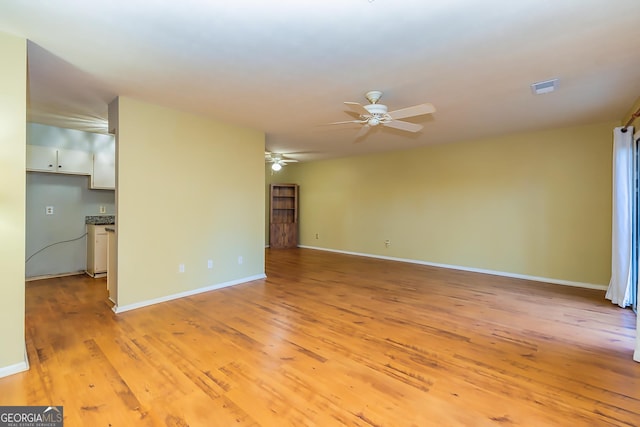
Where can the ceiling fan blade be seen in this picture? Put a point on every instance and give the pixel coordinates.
(357, 108)
(362, 132)
(416, 110)
(347, 121)
(277, 158)
(398, 124)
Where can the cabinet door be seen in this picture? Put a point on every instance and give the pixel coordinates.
(104, 171)
(41, 158)
(101, 251)
(97, 243)
(75, 161)
(283, 235)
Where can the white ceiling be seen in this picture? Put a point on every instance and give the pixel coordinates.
(286, 66)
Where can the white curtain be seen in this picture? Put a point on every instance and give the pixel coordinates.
(636, 353)
(619, 291)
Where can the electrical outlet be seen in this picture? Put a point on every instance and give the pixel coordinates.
(103, 209)
(48, 210)
(181, 268)
(317, 236)
(240, 260)
(387, 243)
(210, 264)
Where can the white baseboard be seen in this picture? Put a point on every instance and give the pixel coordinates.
(96, 275)
(471, 269)
(16, 368)
(53, 276)
(121, 309)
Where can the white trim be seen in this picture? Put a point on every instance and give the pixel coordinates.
(146, 303)
(96, 275)
(471, 269)
(17, 368)
(53, 276)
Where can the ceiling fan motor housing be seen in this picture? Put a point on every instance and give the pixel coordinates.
(378, 114)
(374, 109)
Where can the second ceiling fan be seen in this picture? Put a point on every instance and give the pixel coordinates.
(375, 114)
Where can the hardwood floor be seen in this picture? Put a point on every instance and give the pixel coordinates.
(329, 340)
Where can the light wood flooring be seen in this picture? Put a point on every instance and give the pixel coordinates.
(330, 340)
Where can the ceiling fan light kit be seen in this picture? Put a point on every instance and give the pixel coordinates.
(375, 114)
(278, 160)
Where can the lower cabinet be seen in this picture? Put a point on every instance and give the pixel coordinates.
(96, 250)
(283, 235)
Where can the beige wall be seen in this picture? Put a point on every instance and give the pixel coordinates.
(13, 93)
(534, 204)
(209, 180)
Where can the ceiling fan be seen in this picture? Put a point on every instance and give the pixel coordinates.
(278, 160)
(376, 114)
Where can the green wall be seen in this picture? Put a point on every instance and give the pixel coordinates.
(13, 97)
(189, 190)
(532, 204)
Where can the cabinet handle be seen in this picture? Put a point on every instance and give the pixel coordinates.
(50, 166)
(59, 166)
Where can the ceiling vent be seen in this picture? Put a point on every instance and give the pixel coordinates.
(544, 87)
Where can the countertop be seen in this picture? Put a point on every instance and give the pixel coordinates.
(100, 219)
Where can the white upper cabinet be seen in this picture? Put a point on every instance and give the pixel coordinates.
(59, 160)
(69, 151)
(75, 161)
(42, 159)
(104, 171)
